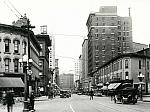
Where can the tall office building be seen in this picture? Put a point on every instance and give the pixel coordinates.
(108, 36)
(67, 81)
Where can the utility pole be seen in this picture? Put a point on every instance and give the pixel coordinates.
(28, 26)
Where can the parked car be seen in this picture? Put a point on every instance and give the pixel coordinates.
(126, 95)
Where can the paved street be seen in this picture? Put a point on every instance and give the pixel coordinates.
(81, 103)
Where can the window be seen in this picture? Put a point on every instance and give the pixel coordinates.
(120, 64)
(7, 61)
(96, 31)
(119, 27)
(40, 63)
(16, 46)
(126, 75)
(103, 30)
(126, 63)
(119, 33)
(41, 45)
(24, 47)
(127, 33)
(7, 45)
(112, 30)
(148, 65)
(103, 24)
(16, 65)
(148, 76)
(140, 64)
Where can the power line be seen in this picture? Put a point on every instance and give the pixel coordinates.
(15, 8)
(70, 57)
(69, 35)
(11, 9)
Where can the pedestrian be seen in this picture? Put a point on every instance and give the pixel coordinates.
(91, 94)
(9, 101)
(32, 97)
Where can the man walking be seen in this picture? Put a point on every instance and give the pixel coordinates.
(32, 101)
(9, 101)
(91, 94)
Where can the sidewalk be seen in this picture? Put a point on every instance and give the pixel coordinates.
(146, 98)
(18, 107)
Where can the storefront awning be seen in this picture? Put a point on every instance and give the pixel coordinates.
(116, 86)
(10, 82)
(113, 86)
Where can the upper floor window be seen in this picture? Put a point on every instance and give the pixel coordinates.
(126, 64)
(148, 65)
(16, 46)
(7, 63)
(126, 75)
(41, 45)
(24, 47)
(103, 30)
(16, 65)
(140, 64)
(7, 41)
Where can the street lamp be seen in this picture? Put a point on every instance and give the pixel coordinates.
(141, 77)
(107, 83)
(25, 61)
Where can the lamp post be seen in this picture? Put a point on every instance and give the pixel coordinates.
(25, 61)
(107, 83)
(141, 77)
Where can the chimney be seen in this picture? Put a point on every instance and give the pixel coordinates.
(129, 11)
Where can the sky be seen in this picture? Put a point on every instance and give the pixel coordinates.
(66, 22)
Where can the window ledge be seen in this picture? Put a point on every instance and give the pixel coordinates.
(7, 52)
(16, 53)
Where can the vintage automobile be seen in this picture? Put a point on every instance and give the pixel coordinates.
(64, 94)
(126, 95)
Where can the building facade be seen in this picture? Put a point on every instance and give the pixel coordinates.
(125, 67)
(85, 77)
(14, 46)
(45, 42)
(109, 35)
(67, 81)
(57, 72)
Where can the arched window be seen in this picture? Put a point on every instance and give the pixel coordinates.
(7, 64)
(126, 63)
(7, 41)
(16, 65)
(126, 75)
(16, 46)
(24, 47)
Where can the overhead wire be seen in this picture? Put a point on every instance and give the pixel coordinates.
(11, 9)
(70, 58)
(15, 8)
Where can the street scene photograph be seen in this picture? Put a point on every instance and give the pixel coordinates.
(74, 56)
